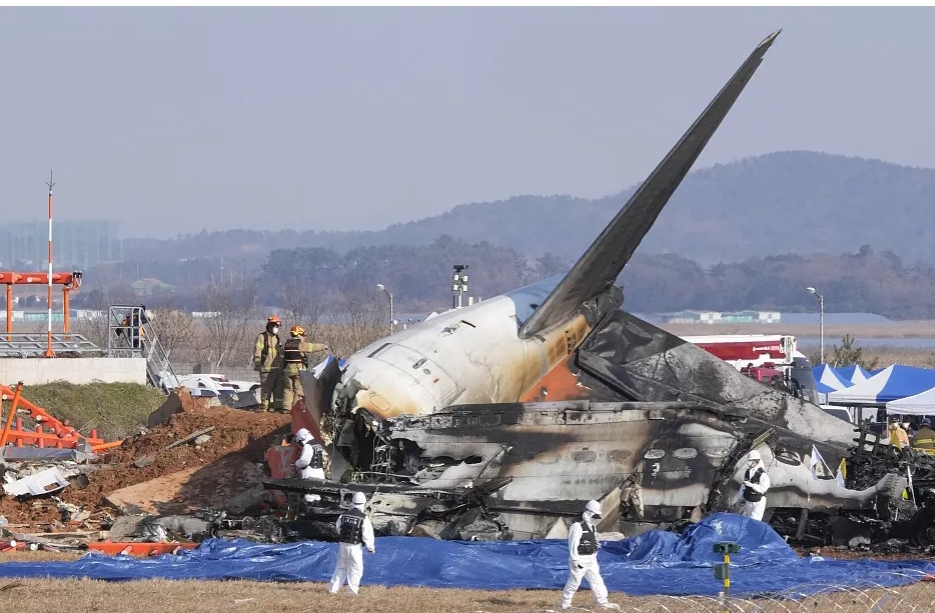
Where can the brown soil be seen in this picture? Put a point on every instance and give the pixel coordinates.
(833, 553)
(242, 433)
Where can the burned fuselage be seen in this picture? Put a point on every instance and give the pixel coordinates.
(634, 414)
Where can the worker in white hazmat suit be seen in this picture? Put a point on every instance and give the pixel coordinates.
(311, 463)
(754, 488)
(582, 558)
(354, 530)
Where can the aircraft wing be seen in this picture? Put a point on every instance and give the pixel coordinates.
(600, 265)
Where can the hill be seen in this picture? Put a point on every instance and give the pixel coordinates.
(793, 201)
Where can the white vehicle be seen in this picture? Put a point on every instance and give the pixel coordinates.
(214, 385)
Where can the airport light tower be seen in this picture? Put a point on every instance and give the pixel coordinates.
(821, 319)
(459, 285)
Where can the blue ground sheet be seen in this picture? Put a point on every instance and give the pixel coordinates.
(655, 562)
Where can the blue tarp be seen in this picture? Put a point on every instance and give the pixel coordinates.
(653, 563)
(892, 383)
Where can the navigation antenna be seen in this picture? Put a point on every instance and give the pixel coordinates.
(48, 351)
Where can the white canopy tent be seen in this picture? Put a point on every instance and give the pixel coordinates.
(920, 404)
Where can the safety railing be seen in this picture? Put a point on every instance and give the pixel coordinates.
(28, 345)
(130, 334)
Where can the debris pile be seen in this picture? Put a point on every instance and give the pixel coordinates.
(200, 458)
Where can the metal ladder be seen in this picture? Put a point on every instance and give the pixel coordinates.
(131, 334)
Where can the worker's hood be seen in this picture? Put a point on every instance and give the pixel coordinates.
(590, 518)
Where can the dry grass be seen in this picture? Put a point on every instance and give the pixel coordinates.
(158, 596)
(885, 356)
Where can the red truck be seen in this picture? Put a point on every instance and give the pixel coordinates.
(769, 358)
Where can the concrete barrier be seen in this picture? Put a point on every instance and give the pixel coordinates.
(37, 371)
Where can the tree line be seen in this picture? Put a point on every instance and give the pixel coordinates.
(420, 277)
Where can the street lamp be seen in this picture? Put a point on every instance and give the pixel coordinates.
(821, 319)
(390, 296)
(459, 285)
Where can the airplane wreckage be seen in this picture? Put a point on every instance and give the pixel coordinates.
(500, 420)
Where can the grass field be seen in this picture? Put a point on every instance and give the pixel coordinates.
(833, 333)
(114, 409)
(160, 596)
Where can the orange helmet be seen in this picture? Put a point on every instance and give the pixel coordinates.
(274, 319)
(297, 331)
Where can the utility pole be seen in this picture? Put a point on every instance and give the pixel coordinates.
(821, 319)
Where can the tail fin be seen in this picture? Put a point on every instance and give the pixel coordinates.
(600, 265)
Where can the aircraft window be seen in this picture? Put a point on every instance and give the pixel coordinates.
(468, 323)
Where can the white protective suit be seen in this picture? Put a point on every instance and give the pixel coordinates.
(350, 563)
(756, 509)
(309, 448)
(584, 566)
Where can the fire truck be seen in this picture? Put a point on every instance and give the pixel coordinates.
(773, 359)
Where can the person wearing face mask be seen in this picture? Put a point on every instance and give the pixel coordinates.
(755, 485)
(267, 359)
(899, 438)
(354, 529)
(582, 558)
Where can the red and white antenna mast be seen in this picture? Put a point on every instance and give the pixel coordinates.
(48, 351)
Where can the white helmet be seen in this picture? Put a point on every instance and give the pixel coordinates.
(594, 507)
(754, 455)
(359, 498)
(303, 435)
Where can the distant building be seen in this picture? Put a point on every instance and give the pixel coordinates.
(76, 245)
(150, 286)
(715, 317)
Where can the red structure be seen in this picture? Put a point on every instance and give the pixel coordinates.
(69, 280)
(55, 433)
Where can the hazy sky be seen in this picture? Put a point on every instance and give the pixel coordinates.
(175, 119)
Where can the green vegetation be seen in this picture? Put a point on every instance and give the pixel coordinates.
(114, 409)
(849, 352)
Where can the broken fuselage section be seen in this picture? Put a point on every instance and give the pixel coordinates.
(652, 426)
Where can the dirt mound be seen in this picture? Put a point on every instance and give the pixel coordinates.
(237, 434)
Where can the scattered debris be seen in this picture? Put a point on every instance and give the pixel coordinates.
(43, 482)
(154, 472)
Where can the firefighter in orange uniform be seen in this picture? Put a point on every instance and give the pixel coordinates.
(295, 352)
(267, 359)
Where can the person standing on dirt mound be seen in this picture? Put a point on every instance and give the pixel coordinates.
(582, 558)
(267, 359)
(354, 529)
(295, 352)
